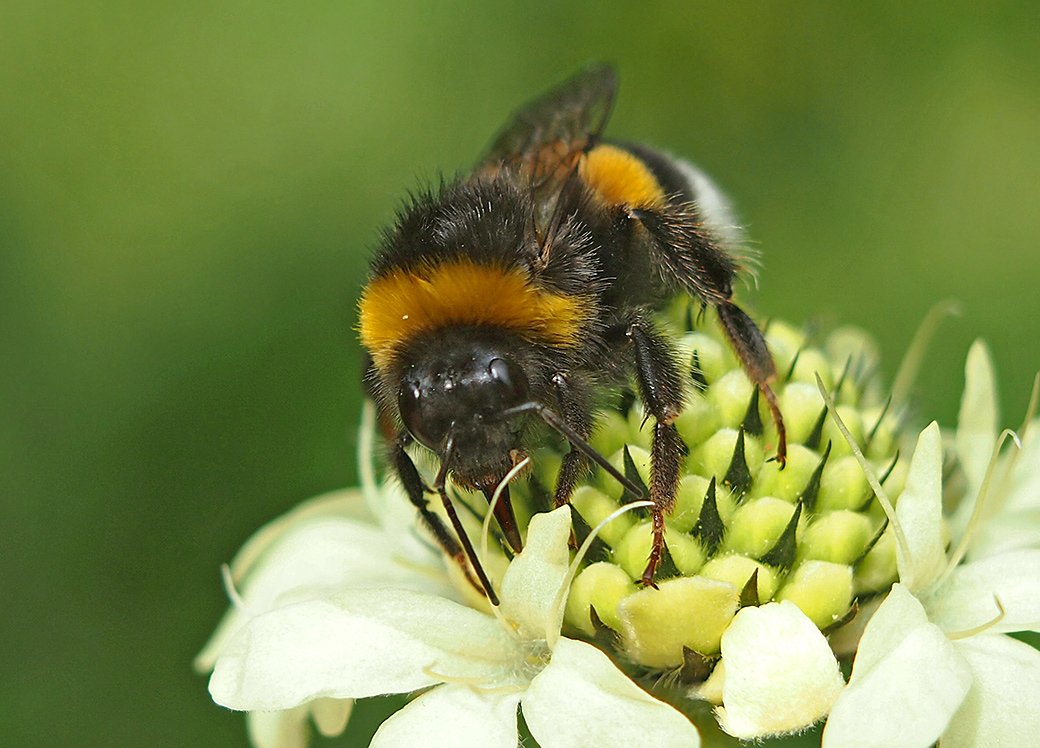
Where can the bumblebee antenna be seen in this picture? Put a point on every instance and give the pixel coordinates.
(577, 441)
(471, 554)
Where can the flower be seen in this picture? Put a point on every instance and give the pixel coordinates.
(350, 539)
(1010, 516)
(934, 660)
(478, 668)
(762, 564)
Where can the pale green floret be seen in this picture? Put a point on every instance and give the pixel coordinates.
(878, 568)
(842, 486)
(546, 467)
(634, 548)
(810, 363)
(641, 459)
(789, 483)
(713, 457)
(640, 428)
(730, 396)
(757, 525)
(801, 404)
(594, 506)
(785, 341)
(699, 420)
(822, 590)
(690, 612)
(853, 421)
(611, 432)
(688, 501)
(737, 570)
(840, 537)
(600, 586)
(714, 359)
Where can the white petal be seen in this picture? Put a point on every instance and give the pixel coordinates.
(253, 559)
(969, 597)
(1025, 486)
(582, 699)
(1007, 531)
(361, 643)
(283, 729)
(898, 615)
(1001, 708)
(314, 550)
(919, 512)
(533, 579)
(978, 420)
(331, 715)
(907, 681)
(781, 675)
(452, 716)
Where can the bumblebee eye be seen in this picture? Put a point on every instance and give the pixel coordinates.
(409, 405)
(511, 379)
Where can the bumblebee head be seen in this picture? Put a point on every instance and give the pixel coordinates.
(459, 390)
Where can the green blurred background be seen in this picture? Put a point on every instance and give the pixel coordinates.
(188, 196)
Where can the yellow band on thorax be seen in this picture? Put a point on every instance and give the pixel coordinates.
(397, 307)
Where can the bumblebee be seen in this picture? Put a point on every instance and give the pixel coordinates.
(522, 295)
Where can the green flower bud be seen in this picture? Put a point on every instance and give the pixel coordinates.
(601, 587)
(634, 548)
(594, 506)
(843, 485)
(737, 570)
(822, 590)
(690, 612)
(757, 525)
(876, 571)
(840, 537)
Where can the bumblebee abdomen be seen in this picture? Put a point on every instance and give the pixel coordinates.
(619, 177)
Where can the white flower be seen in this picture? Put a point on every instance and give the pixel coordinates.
(350, 539)
(934, 661)
(478, 668)
(1010, 516)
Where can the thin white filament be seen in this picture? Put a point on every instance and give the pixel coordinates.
(981, 628)
(554, 623)
(868, 469)
(485, 529)
(232, 592)
(911, 363)
(366, 456)
(980, 502)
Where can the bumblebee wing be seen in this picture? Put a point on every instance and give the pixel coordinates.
(564, 121)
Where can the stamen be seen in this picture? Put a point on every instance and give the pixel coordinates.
(366, 456)
(952, 635)
(552, 630)
(485, 529)
(980, 501)
(232, 592)
(868, 469)
(911, 363)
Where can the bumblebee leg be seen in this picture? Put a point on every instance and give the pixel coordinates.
(691, 259)
(416, 491)
(574, 462)
(754, 355)
(660, 386)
